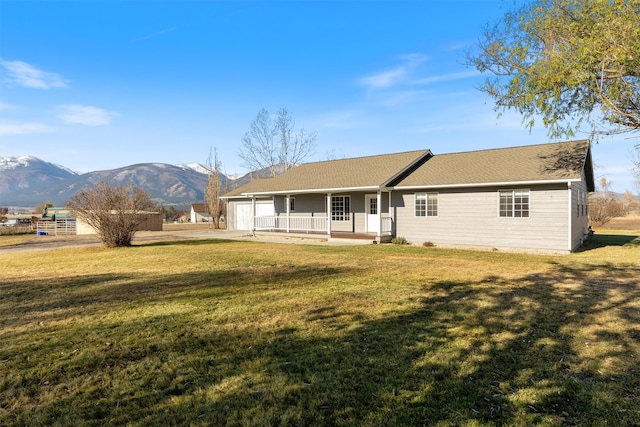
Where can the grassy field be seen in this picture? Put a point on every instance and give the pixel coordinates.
(212, 332)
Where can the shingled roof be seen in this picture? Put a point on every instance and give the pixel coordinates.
(556, 162)
(360, 173)
(563, 161)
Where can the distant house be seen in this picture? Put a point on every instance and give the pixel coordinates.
(56, 213)
(200, 213)
(522, 198)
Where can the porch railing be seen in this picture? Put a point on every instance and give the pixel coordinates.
(306, 224)
(387, 225)
(296, 223)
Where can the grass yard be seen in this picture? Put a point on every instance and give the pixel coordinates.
(211, 332)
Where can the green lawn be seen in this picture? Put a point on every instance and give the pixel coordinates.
(210, 332)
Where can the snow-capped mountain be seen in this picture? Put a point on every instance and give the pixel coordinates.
(195, 167)
(29, 181)
(22, 175)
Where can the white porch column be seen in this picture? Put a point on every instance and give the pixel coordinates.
(390, 215)
(379, 202)
(288, 202)
(253, 215)
(329, 214)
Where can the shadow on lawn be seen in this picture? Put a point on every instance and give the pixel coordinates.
(489, 352)
(602, 240)
(186, 242)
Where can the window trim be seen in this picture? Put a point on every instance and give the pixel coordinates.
(425, 211)
(513, 204)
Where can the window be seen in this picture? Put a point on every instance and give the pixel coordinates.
(292, 204)
(373, 206)
(432, 204)
(421, 204)
(514, 204)
(426, 204)
(340, 208)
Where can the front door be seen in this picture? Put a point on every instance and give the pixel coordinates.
(371, 207)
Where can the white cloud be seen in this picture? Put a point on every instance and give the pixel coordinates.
(345, 119)
(156, 34)
(404, 74)
(395, 75)
(84, 115)
(27, 75)
(6, 107)
(446, 77)
(25, 128)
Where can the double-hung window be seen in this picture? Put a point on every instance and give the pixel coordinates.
(426, 204)
(514, 204)
(340, 208)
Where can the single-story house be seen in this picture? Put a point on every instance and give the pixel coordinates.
(200, 213)
(518, 198)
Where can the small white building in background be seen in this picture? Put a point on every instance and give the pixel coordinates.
(200, 213)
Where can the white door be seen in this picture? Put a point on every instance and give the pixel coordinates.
(244, 220)
(371, 208)
(243, 216)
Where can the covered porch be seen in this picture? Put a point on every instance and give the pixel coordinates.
(355, 215)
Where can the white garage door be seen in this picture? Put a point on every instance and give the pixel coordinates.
(243, 213)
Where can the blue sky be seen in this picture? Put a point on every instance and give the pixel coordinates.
(98, 85)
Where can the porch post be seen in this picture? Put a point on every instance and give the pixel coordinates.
(253, 215)
(329, 214)
(379, 202)
(288, 202)
(390, 215)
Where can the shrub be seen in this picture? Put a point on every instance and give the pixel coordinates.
(113, 212)
(428, 244)
(399, 241)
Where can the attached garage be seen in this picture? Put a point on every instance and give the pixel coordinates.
(242, 213)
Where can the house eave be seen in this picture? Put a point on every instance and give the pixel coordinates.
(488, 184)
(308, 191)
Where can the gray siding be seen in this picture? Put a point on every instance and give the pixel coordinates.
(579, 215)
(470, 217)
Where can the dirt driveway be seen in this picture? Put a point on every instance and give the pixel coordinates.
(170, 232)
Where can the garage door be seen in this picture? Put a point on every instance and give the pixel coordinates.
(243, 213)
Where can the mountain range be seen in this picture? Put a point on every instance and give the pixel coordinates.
(30, 181)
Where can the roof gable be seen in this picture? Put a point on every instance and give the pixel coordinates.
(338, 175)
(562, 161)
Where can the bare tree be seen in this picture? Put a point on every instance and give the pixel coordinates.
(214, 190)
(275, 144)
(604, 207)
(114, 212)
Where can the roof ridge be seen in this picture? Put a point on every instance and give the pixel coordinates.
(424, 150)
(513, 147)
